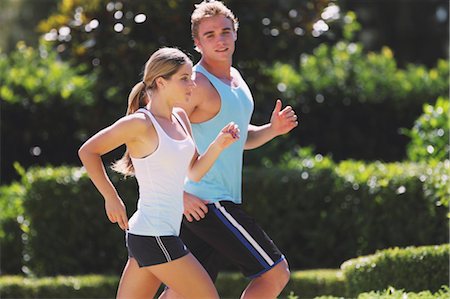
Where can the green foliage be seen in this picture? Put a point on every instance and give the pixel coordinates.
(45, 103)
(392, 293)
(339, 211)
(88, 286)
(311, 283)
(430, 134)
(412, 269)
(352, 103)
(12, 226)
(342, 210)
(229, 285)
(323, 284)
(29, 76)
(73, 226)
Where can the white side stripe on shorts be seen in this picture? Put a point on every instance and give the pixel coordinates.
(163, 248)
(244, 233)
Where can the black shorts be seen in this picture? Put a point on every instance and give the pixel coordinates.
(154, 250)
(228, 231)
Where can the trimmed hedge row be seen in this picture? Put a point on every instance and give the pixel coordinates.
(87, 286)
(229, 285)
(417, 269)
(410, 269)
(392, 293)
(319, 213)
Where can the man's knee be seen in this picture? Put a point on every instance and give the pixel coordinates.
(278, 275)
(283, 272)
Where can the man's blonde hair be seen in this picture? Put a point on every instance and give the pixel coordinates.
(208, 9)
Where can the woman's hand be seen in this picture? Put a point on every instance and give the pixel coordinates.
(227, 136)
(116, 212)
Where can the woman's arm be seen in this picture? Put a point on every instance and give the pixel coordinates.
(108, 139)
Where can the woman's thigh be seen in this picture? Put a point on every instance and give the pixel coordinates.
(137, 282)
(186, 277)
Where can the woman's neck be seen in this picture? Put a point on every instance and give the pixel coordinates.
(160, 108)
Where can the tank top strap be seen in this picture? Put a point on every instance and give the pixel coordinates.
(213, 79)
(152, 119)
(181, 122)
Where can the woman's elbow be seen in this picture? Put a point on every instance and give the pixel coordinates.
(83, 152)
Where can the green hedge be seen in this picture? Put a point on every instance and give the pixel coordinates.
(318, 212)
(321, 213)
(418, 269)
(392, 293)
(306, 284)
(88, 286)
(411, 269)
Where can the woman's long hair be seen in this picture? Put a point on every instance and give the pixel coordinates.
(163, 63)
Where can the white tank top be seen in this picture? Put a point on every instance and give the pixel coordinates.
(160, 178)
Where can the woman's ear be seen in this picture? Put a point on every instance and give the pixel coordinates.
(160, 82)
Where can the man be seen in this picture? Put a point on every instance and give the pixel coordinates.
(214, 222)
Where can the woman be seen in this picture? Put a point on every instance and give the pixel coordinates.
(160, 153)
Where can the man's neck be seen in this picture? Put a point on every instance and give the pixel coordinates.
(219, 69)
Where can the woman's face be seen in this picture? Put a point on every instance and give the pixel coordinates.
(179, 86)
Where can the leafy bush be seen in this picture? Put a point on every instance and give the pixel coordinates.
(229, 285)
(333, 212)
(412, 269)
(11, 225)
(68, 231)
(88, 286)
(44, 105)
(352, 104)
(430, 134)
(337, 211)
(392, 293)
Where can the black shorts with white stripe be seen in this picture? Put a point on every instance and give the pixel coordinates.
(228, 231)
(154, 250)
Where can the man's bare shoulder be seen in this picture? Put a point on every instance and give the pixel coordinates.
(198, 95)
(203, 86)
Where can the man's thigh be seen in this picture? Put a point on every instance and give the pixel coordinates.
(228, 230)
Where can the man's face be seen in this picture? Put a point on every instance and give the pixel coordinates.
(216, 38)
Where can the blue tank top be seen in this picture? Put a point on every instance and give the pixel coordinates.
(224, 180)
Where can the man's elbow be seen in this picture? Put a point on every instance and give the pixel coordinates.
(194, 177)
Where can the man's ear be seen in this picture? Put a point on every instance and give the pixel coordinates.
(197, 43)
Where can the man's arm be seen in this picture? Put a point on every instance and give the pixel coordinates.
(281, 122)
